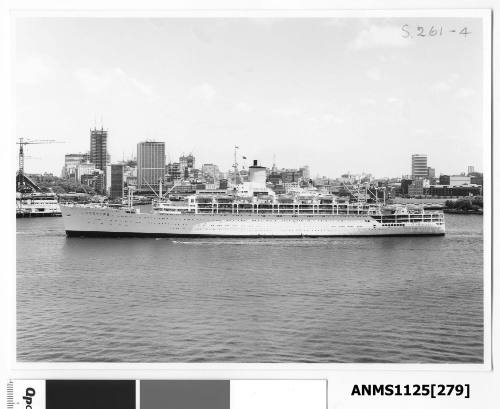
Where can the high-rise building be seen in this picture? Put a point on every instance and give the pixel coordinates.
(419, 168)
(470, 169)
(99, 155)
(150, 164)
(431, 172)
(99, 148)
(117, 179)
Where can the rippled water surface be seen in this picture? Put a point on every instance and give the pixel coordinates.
(393, 299)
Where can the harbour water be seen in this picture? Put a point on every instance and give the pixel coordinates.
(392, 299)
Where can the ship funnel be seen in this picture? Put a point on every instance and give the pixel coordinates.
(257, 175)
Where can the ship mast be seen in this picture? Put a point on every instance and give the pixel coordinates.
(235, 166)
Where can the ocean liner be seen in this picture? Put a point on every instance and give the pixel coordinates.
(250, 209)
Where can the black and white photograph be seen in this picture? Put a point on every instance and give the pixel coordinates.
(252, 189)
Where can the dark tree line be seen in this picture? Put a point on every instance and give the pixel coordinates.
(58, 185)
(465, 204)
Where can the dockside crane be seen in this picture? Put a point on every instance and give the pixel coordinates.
(22, 181)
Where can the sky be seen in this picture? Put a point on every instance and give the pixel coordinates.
(340, 95)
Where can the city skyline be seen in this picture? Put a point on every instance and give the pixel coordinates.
(245, 162)
(204, 85)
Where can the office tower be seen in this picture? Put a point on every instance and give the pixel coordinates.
(98, 148)
(150, 164)
(117, 179)
(419, 168)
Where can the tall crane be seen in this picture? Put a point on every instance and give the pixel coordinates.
(22, 180)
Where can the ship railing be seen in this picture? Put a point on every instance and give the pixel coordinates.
(411, 218)
(285, 208)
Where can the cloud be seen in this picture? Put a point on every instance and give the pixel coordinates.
(374, 74)
(244, 107)
(325, 120)
(203, 92)
(287, 111)
(445, 84)
(441, 86)
(113, 79)
(379, 36)
(33, 70)
(330, 118)
(422, 132)
(367, 101)
(465, 93)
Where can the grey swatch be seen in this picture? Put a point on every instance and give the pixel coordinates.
(184, 394)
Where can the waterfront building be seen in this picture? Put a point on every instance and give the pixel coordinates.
(291, 187)
(416, 188)
(185, 188)
(306, 173)
(223, 183)
(290, 175)
(419, 168)
(459, 180)
(187, 161)
(444, 180)
(212, 186)
(173, 172)
(95, 180)
(71, 162)
(99, 154)
(117, 181)
(476, 178)
(130, 173)
(453, 191)
(131, 180)
(150, 164)
(210, 171)
(86, 168)
(98, 148)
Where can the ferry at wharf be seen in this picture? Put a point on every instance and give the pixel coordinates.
(37, 205)
(250, 209)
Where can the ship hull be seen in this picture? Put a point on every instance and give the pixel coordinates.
(103, 222)
(37, 214)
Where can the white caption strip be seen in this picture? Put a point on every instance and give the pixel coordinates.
(278, 394)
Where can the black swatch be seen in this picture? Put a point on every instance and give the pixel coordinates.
(90, 394)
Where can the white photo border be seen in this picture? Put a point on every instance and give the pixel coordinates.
(256, 370)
